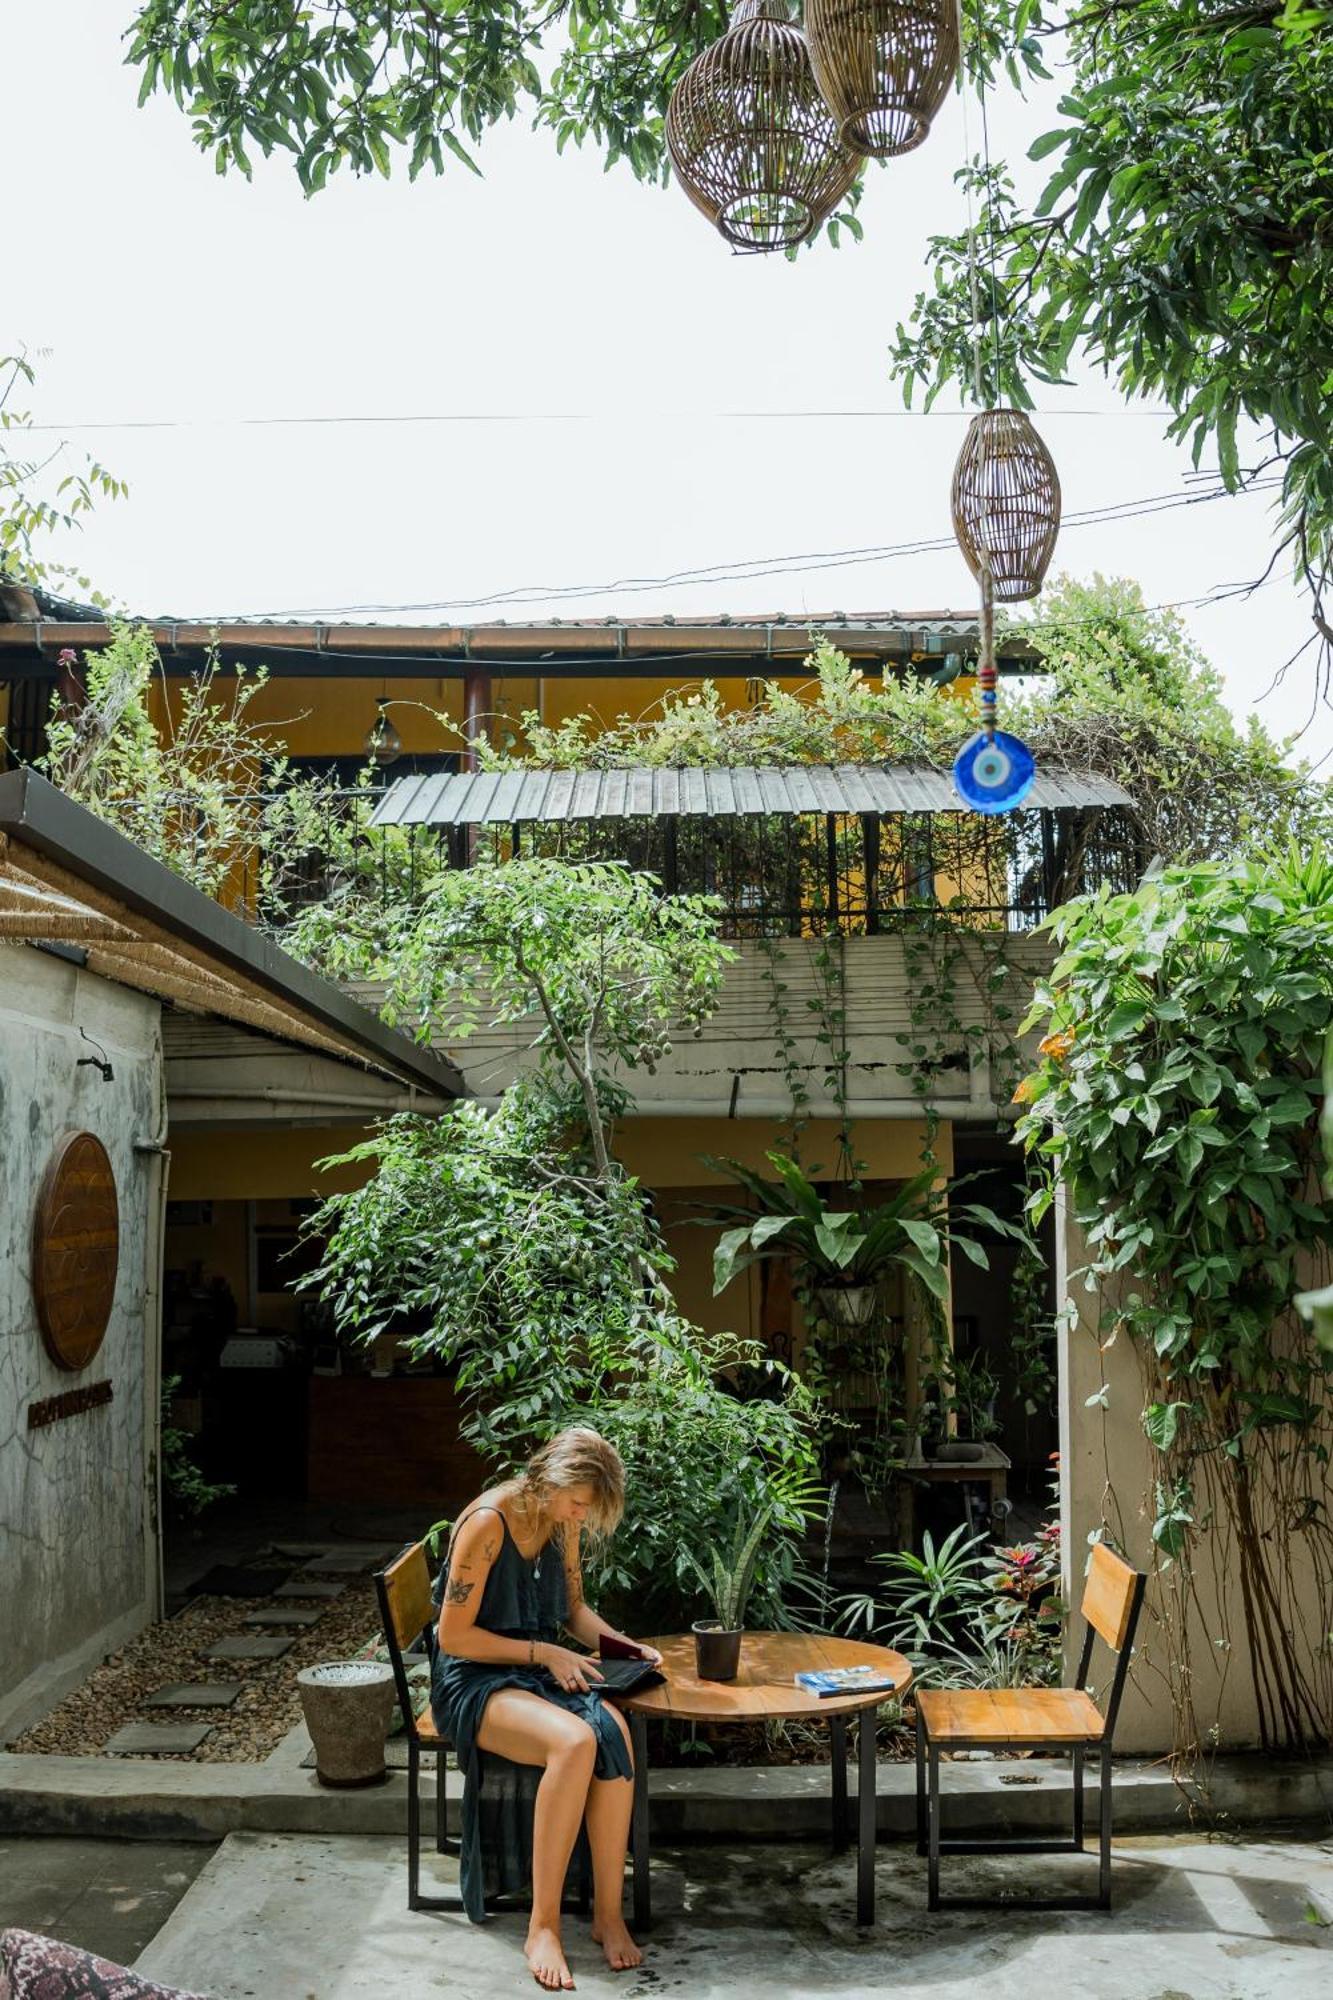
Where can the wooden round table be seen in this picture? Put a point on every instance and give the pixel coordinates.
(765, 1690)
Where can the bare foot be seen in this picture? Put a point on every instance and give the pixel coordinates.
(546, 1955)
(617, 1944)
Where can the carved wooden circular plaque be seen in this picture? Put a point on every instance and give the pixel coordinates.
(75, 1249)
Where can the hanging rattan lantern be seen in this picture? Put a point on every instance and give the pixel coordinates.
(750, 137)
(1006, 503)
(884, 66)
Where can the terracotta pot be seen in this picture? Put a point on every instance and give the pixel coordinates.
(347, 1706)
(717, 1652)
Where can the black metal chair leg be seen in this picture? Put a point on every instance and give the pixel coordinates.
(643, 1902)
(867, 1773)
(413, 1826)
(1078, 1796)
(933, 1844)
(441, 1802)
(920, 1785)
(1104, 1803)
(837, 1730)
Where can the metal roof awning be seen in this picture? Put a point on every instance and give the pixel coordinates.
(69, 879)
(508, 798)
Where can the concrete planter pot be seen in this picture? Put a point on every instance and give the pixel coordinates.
(717, 1652)
(347, 1706)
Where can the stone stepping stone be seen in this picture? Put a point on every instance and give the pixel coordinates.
(310, 1587)
(287, 1615)
(157, 1739)
(196, 1694)
(242, 1647)
(347, 1562)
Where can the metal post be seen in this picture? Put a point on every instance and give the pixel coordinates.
(870, 833)
(831, 869)
(837, 1729)
(476, 715)
(643, 1902)
(865, 1847)
(1078, 1797)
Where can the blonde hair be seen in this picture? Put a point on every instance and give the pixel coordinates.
(580, 1457)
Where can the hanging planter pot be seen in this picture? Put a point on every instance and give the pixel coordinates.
(751, 139)
(1006, 504)
(884, 66)
(847, 1305)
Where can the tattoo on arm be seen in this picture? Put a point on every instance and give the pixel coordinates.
(458, 1593)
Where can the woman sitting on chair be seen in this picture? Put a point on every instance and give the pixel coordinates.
(505, 1687)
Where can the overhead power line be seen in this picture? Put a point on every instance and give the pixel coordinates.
(608, 416)
(743, 570)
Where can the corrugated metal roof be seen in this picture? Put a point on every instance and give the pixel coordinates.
(478, 798)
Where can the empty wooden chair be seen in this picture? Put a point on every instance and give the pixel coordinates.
(1034, 1719)
(407, 1614)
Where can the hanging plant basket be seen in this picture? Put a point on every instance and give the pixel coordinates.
(750, 137)
(847, 1305)
(884, 66)
(1006, 503)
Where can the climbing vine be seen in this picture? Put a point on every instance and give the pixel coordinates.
(1177, 1101)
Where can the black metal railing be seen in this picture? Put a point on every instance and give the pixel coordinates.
(774, 876)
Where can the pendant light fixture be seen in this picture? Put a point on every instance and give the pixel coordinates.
(383, 745)
(884, 67)
(1006, 503)
(752, 141)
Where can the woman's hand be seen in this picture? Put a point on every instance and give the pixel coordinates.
(572, 1671)
(650, 1653)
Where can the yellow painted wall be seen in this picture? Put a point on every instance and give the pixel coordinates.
(664, 1152)
(272, 1164)
(273, 1167)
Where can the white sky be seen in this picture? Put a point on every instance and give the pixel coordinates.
(546, 291)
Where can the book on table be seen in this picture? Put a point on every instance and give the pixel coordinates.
(829, 1681)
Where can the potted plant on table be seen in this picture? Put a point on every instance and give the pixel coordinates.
(728, 1579)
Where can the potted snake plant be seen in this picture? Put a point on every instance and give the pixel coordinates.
(728, 1581)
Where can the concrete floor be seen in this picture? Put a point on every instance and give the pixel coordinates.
(107, 1896)
(284, 1917)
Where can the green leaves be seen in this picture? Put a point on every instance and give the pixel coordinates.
(1179, 244)
(1161, 1423)
(1209, 1217)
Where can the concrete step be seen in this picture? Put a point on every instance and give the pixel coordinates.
(147, 1800)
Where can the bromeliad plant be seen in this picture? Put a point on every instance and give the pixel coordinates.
(849, 1247)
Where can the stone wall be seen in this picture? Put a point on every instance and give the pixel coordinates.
(78, 1561)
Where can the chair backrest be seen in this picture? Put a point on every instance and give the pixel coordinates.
(403, 1590)
(1108, 1596)
(1112, 1600)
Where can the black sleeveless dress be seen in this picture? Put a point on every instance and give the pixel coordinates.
(524, 1597)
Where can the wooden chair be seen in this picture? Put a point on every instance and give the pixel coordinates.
(406, 1615)
(1034, 1719)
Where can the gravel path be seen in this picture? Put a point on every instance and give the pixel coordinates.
(266, 1708)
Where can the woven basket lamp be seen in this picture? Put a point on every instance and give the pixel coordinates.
(1006, 504)
(750, 137)
(884, 66)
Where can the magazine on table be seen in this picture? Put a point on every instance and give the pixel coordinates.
(829, 1681)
